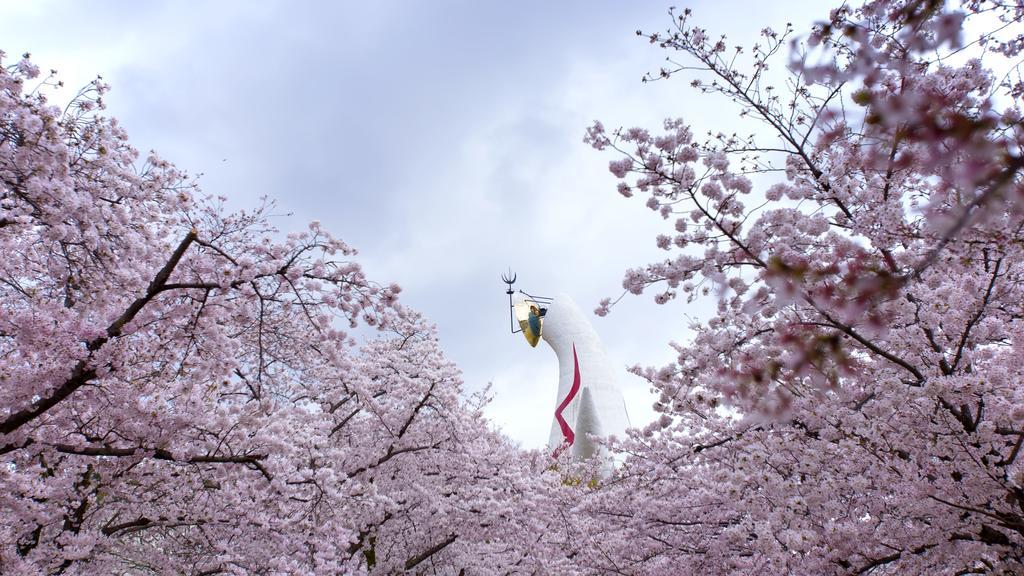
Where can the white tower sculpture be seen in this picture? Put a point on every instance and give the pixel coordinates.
(588, 401)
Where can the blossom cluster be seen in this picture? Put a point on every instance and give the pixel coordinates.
(852, 406)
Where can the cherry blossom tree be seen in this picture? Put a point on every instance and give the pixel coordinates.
(182, 392)
(855, 403)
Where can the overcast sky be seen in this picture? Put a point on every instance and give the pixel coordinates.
(442, 139)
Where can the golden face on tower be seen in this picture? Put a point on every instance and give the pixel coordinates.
(530, 320)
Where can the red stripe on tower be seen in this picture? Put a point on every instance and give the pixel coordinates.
(567, 431)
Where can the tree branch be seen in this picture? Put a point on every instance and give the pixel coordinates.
(83, 372)
(251, 460)
(417, 559)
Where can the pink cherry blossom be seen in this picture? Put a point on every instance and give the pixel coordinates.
(179, 393)
(853, 404)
